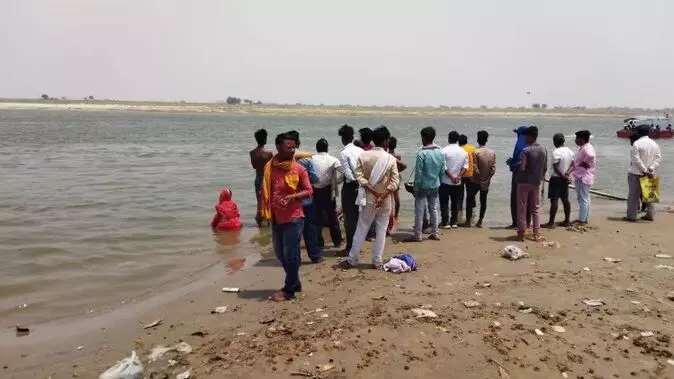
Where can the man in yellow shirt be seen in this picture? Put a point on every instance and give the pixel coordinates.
(470, 187)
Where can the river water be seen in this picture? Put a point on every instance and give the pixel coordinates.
(98, 209)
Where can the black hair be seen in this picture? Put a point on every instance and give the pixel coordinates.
(322, 145)
(283, 137)
(531, 131)
(346, 132)
(366, 135)
(558, 139)
(584, 135)
(392, 143)
(453, 137)
(634, 136)
(295, 135)
(463, 139)
(643, 131)
(482, 137)
(261, 137)
(357, 143)
(428, 134)
(380, 135)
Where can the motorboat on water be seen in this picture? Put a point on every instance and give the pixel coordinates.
(661, 126)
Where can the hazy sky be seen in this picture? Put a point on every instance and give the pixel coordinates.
(398, 52)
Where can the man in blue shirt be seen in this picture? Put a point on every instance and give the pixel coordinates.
(428, 172)
(514, 163)
(310, 231)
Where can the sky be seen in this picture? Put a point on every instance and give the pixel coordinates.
(368, 52)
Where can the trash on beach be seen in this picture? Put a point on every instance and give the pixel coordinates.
(586, 269)
(183, 375)
(231, 289)
(558, 328)
(80, 348)
(593, 302)
(22, 331)
(267, 321)
(670, 295)
(172, 362)
(396, 266)
(426, 306)
(442, 329)
(663, 256)
(554, 244)
(471, 304)
(565, 375)
(497, 324)
(183, 347)
(503, 373)
(324, 315)
(127, 368)
(539, 332)
(647, 334)
(222, 309)
(635, 302)
(199, 333)
(424, 313)
(670, 361)
(158, 351)
(514, 253)
(324, 368)
(153, 324)
(665, 267)
(612, 260)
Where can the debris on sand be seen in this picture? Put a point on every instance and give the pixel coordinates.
(158, 351)
(424, 313)
(663, 256)
(221, 309)
(558, 328)
(670, 295)
(514, 253)
(183, 375)
(593, 302)
(664, 267)
(554, 244)
(22, 331)
(539, 332)
(127, 368)
(231, 289)
(471, 304)
(647, 334)
(503, 373)
(612, 260)
(153, 324)
(586, 269)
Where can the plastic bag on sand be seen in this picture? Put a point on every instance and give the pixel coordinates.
(514, 253)
(127, 368)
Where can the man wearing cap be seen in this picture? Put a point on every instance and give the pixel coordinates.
(558, 189)
(583, 169)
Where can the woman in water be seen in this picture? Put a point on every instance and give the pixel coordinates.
(226, 213)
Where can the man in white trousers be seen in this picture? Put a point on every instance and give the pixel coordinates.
(377, 174)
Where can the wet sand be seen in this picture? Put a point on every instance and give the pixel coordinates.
(359, 323)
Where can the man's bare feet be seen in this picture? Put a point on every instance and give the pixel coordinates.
(478, 224)
(549, 225)
(434, 237)
(279, 296)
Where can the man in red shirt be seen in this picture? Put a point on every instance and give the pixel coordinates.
(284, 186)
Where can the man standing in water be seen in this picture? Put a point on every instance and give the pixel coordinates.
(348, 159)
(533, 165)
(377, 174)
(285, 184)
(484, 159)
(428, 173)
(259, 156)
(310, 231)
(562, 157)
(645, 158)
(583, 168)
(469, 185)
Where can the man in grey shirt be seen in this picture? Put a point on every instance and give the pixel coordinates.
(533, 166)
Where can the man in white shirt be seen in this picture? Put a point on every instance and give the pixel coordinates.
(456, 161)
(645, 158)
(558, 189)
(348, 159)
(325, 192)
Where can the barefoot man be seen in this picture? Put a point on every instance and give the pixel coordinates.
(259, 157)
(533, 166)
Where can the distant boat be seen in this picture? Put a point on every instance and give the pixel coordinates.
(661, 127)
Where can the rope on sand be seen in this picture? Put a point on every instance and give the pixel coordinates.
(598, 193)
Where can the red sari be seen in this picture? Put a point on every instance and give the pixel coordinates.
(227, 213)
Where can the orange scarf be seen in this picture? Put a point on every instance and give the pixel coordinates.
(265, 192)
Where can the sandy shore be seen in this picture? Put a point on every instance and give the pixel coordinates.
(303, 110)
(360, 324)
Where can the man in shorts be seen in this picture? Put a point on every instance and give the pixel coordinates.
(558, 189)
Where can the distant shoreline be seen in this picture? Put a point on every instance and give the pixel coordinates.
(307, 110)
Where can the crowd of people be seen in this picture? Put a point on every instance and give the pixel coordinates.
(297, 191)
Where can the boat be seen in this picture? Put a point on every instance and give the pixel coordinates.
(661, 127)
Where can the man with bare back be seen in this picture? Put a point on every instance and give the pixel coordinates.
(259, 157)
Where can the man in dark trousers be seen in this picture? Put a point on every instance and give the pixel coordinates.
(348, 159)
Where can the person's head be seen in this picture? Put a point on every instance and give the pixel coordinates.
(482, 137)
(225, 194)
(558, 140)
(296, 136)
(392, 144)
(643, 131)
(366, 136)
(531, 134)
(427, 135)
(322, 145)
(285, 145)
(453, 137)
(346, 133)
(381, 137)
(261, 137)
(463, 140)
(634, 136)
(582, 137)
